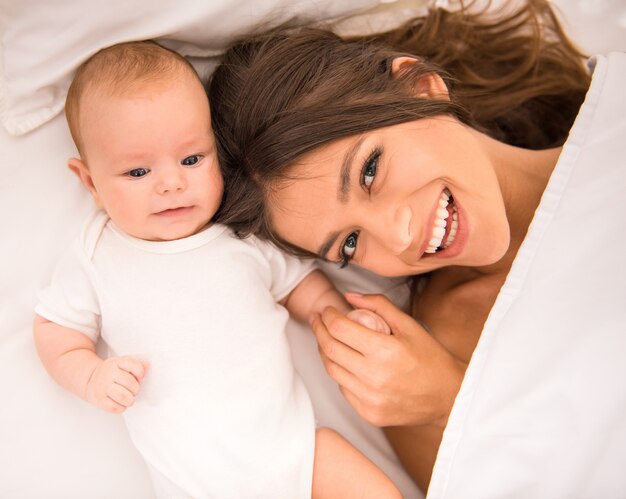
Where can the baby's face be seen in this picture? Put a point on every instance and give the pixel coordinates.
(152, 160)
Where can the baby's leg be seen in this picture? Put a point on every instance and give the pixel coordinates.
(341, 471)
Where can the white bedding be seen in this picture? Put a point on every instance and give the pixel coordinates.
(55, 446)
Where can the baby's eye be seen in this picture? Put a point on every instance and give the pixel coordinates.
(190, 160)
(368, 172)
(138, 172)
(348, 248)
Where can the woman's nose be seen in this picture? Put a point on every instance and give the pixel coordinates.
(172, 179)
(394, 230)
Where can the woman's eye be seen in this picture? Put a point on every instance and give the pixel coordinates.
(190, 160)
(348, 249)
(368, 173)
(138, 172)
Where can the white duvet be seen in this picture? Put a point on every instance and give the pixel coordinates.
(542, 409)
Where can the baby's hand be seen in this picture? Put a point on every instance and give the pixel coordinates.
(114, 384)
(369, 319)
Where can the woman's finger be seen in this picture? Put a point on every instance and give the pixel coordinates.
(373, 369)
(397, 320)
(357, 337)
(363, 410)
(334, 349)
(369, 407)
(344, 378)
(366, 402)
(355, 402)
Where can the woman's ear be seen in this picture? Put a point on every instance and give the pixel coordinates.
(82, 172)
(430, 86)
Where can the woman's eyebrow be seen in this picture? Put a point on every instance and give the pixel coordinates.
(327, 244)
(344, 172)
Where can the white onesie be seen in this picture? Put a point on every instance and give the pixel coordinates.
(221, 413)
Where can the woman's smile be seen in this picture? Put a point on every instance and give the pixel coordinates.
(447, 234)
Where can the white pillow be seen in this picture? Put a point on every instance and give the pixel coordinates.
(43, 41)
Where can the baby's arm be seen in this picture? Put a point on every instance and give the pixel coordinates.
(316, 292)
(70, 358)
(312, 295)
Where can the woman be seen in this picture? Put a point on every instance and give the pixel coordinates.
(419, 152)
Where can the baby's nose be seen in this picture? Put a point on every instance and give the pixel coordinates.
(172, 180)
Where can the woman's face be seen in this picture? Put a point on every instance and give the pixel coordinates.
(400, 200)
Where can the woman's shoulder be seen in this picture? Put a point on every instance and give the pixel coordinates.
(454, 304)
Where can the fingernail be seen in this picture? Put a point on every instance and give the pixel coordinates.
(312, 318)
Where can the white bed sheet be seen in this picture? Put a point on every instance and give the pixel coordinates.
(55, 446)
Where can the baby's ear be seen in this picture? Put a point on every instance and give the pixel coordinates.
(430, 86)
(82, 172)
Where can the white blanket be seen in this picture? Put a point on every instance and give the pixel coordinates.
(542, 409)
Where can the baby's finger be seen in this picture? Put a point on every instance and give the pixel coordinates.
(119, 394)
(111, 405)
(133, 366)
(369, 319)
(128, 381)
(397, 320)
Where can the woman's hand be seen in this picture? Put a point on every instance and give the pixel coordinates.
(406, 378)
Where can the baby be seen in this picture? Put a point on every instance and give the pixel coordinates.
(221, 411)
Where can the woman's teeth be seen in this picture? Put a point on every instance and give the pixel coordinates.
(442, 218)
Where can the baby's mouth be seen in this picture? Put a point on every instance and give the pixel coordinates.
(174, 211)
(445, 224)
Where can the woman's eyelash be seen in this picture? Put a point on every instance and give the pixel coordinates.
(370, 168)
(347, 249)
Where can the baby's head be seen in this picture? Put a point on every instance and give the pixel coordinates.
(140, 119)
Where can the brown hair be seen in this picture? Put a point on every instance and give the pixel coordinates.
(278, 95)
(118, 69)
